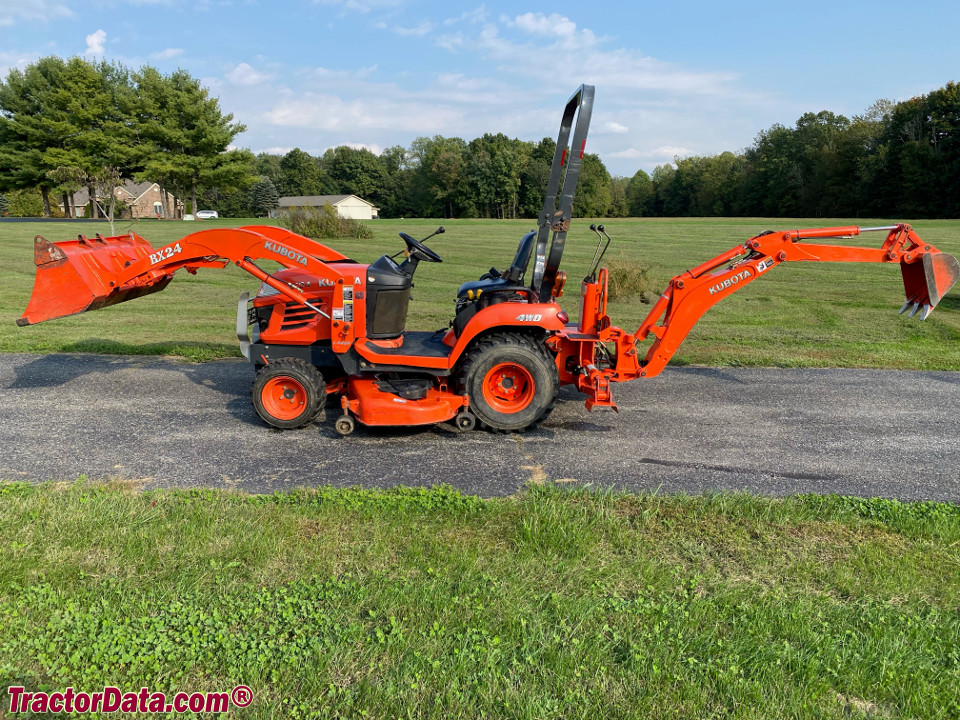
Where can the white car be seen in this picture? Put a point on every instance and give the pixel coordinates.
(207, 215)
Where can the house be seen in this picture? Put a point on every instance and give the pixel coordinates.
(347, 206)
(135, 200)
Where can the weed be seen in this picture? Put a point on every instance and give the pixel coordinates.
(325, 222)
(628, 279)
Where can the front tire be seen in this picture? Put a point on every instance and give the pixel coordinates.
(288, 393)
(511, 380)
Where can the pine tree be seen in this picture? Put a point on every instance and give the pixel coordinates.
(264, 196)
(185, 136)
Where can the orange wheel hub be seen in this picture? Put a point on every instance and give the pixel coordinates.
(508, 387)
(283, 397)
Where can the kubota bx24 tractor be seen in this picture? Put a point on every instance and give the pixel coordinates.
(325, 325)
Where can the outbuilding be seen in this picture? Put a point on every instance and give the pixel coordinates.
(347, 206)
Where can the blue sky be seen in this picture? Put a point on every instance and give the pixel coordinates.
(683, 77)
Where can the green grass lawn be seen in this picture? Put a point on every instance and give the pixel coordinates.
(430, 604)
(801, 315)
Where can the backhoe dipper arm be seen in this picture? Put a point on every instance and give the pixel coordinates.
(927, 276)
(91, 273)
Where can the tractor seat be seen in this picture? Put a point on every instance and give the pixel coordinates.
(477, 294)
(512, 277)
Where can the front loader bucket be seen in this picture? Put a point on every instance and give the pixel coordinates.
(79, 275)
(926, 280)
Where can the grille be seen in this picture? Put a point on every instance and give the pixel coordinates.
(296, 316)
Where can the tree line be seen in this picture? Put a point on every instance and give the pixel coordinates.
(896, 160)
(72, 124)
(67, 124)
(492, 176)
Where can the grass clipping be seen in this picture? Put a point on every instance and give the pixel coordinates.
(324, 222)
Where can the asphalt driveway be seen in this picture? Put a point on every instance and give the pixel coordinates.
(771, 431)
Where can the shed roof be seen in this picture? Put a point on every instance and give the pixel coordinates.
(317, 200)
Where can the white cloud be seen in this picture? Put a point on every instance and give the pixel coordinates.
(648, 110)
(212, 83)
(243, 74)
(329, 112)
(167, 54)
(374, 148)
(326, 75)
(421, 29)
(12, 11)
(95, 43)
(585, 57)
(450, 42)
(360, 6)
(664, 152)
(10, 60)
(615, 127)
(474, 17)
(540, 24)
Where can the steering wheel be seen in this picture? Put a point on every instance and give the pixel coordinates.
(414, 245)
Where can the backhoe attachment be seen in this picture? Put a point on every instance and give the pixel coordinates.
(595, 352)
(928, 274)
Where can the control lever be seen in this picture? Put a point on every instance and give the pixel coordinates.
(595, 262)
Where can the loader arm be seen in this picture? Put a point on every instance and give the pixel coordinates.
(91, 273)
(927, 276)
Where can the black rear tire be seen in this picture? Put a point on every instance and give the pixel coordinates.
(288, 393)
(512, 381)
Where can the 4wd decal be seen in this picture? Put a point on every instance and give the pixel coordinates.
(730, 281)
(529, 318)
(285, 252)
(165, 253)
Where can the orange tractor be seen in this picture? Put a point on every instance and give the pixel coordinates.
(325, 325)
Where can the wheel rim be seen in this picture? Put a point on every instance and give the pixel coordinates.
(508, 387)
(283, 397)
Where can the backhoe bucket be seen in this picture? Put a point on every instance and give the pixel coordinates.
(74, 276)
(926, 280)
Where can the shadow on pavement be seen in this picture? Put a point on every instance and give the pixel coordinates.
(226, 377)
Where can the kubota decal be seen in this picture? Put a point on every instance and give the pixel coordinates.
(730, 281)
(285, 252)
(165, 254)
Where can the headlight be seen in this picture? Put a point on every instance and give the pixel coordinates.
(267, 291)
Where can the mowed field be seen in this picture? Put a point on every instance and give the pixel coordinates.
(804, 314)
